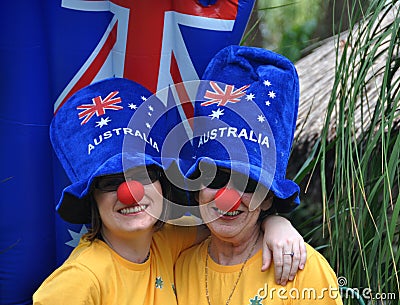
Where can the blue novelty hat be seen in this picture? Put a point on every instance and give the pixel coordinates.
(245, 118)
(106, 128)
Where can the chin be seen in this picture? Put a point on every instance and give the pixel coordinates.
(226, 231)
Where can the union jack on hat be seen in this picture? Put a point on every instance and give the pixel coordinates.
(104, 128)
(245, 118)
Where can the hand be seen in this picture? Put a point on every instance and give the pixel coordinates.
(280, 240)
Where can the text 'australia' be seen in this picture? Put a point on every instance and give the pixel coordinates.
(226, 132)
(121, 132)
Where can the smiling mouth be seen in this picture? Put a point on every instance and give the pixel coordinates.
(133, 210)
(230, 214)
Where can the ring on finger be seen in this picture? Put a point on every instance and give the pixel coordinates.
(290, 253)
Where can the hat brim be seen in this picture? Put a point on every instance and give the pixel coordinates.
(74, 204)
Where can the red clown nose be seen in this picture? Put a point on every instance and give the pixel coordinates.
(130, 192)
(227, 199)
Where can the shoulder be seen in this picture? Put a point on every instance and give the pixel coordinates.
(88, 253)
(314, 256)
(193, 254)
(317, 267)
(176, 234)
(71, 278)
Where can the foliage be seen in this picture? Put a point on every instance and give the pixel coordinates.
(288, 26)
(356, 172)
(360, 191)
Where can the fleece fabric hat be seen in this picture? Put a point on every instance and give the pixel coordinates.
(106, 128)
(245, 118)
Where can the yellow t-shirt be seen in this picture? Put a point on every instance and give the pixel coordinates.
(316, 284)
(95, 274)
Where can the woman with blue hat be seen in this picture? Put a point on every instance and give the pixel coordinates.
(109, 138)
(245, 118)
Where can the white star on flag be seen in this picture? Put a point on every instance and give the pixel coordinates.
(261, 118)
(271, 94)
(268, 103)
(76, 237)
(143, 98)
(267, 83)
(148, 125)
(132, 106)
(250, 97)
(103, 122)
(216, 114)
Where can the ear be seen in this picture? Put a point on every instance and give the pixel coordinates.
(267, 202)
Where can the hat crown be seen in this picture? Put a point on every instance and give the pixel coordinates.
(248, 109)
(89, 128)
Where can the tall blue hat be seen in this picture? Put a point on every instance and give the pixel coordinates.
(245, 118)
(106, 128)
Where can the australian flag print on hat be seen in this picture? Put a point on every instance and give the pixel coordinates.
(245, 118)
(105, 128)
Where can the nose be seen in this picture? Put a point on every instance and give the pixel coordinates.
(227, 199)
(130, 192)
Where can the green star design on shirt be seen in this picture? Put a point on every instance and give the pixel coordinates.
(255, 301)
(159, 282)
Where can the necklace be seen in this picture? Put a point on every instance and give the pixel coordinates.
(238, 278)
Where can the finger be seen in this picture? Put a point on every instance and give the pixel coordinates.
(278, 261)
(296, 258)
(266, 258)
(287, 265)
(266, 254)
(303, 255)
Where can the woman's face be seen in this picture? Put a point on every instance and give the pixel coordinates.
(119, 218)
(235, 226)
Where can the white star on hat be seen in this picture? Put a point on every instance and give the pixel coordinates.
(267, 83)
(261, 118)
(250, 97)
(216, 114)
(271, 94)
(103, 122)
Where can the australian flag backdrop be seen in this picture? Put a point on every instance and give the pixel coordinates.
(51, 48)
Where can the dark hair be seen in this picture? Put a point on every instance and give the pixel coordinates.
(96, 222)
(271, 211)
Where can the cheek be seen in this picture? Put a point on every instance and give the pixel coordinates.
(154, 190)
(154, 193)
(104, 199)
(105, 203)
(206, 195)
(247, 198)
(157, 187)
(254, 200)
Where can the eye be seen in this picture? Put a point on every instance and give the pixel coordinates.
(219, 181)
(109, 184)
(144, 176)
(251, 186)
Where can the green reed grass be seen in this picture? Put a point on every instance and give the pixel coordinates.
(361, 202)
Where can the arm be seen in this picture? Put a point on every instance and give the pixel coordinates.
(69, 284)
(201, 230)
(281, 237)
